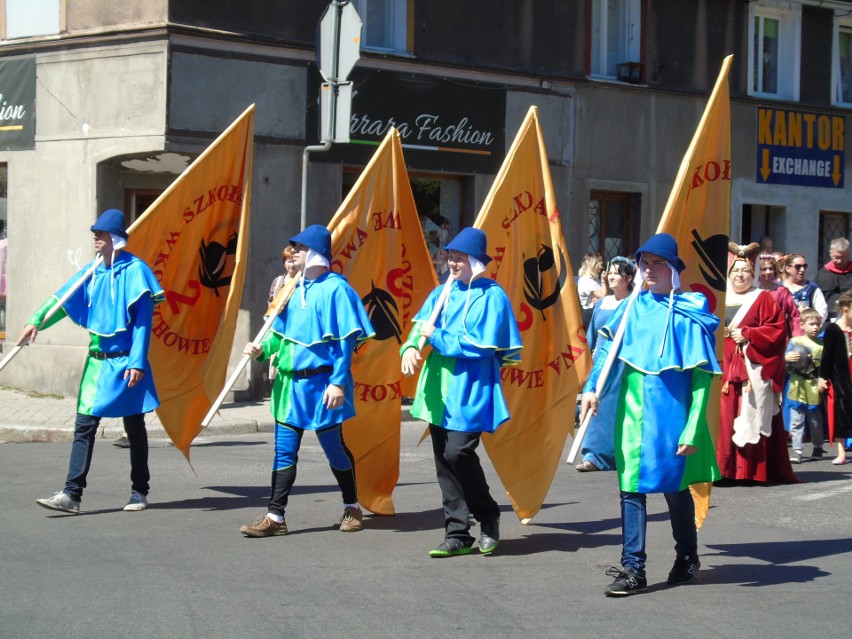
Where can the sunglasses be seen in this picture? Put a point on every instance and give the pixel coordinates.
(799, 266)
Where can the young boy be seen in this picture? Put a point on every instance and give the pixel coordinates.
(458, 393)
(804, 354)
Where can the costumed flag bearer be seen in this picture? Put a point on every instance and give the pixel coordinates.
(458, 394)
(666, 361)
(313, 339)
(116, 306)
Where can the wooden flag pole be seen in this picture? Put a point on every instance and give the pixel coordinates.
(65, 297)
(610, 359)
(439, 305)
(282, 301)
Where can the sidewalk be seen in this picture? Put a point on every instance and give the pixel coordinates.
(27, 417)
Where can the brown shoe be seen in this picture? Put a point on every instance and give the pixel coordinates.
(352, 520)
(264, 527)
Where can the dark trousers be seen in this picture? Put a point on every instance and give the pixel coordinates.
(85, 431)
(463, 486)
(288, 439)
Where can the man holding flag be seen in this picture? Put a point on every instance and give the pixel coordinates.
(664, 344)
(116, 306)
(470, 325)
(314, 338)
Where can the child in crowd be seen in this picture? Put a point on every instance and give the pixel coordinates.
(834, 375)
(804, 354)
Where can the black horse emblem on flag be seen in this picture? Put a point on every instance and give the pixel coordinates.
(713, 253)
(214, 271)
(534, 283)
(382, 310)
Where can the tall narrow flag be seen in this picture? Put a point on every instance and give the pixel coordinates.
(698, 216)
(378, 244)
(194, 237)
(521, 220)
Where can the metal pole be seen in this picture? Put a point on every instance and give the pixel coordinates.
(332, 111)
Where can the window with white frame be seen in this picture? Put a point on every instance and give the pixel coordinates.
(385, 24)
(25, 18)
(842, 93)
(616, 33)
(775, 37)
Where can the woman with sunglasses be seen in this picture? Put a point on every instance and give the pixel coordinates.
(807, 294)
(769, 282)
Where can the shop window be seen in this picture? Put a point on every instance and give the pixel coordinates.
(831, 226)
(615, 39)
(613, 223)
(775, 36)
(27, 18)
(137, 201)
(842, 94)
(385, 24)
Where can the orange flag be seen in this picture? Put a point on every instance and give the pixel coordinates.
(377, 243)
(698, 216)
(195, 238)
(521, 220)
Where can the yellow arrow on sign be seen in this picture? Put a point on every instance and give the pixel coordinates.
(835, 175)
(765, 171)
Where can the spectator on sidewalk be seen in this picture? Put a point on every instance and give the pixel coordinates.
(116, 306)
(589, 288)
(314, 338)
(835, 276)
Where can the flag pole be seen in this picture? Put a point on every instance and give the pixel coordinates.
(439, 305)
(65, 297)
(610, 359)
(282, 301)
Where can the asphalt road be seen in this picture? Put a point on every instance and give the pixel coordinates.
(776, 561)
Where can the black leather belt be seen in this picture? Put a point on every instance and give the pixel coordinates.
(102, 355)
(309, 372)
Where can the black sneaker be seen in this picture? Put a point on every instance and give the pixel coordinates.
(817, 453)
(627, 582)
(684, 570)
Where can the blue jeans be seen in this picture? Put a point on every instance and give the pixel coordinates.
(634, 518)
(85, 431)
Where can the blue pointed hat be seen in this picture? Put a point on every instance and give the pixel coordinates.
(470, 241)
(665, 246)
(111, 221)
(317, 237)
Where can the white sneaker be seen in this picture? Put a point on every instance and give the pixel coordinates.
(60, 501)
(137, 501)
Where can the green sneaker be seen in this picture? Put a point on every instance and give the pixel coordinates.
(451, 547)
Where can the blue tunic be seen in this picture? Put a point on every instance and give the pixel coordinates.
(322, 335)
(661, 397)
(459, 386)
(116, 306)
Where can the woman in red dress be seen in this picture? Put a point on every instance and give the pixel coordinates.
(752, 444)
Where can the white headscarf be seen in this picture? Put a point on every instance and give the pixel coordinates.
(311, 259)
